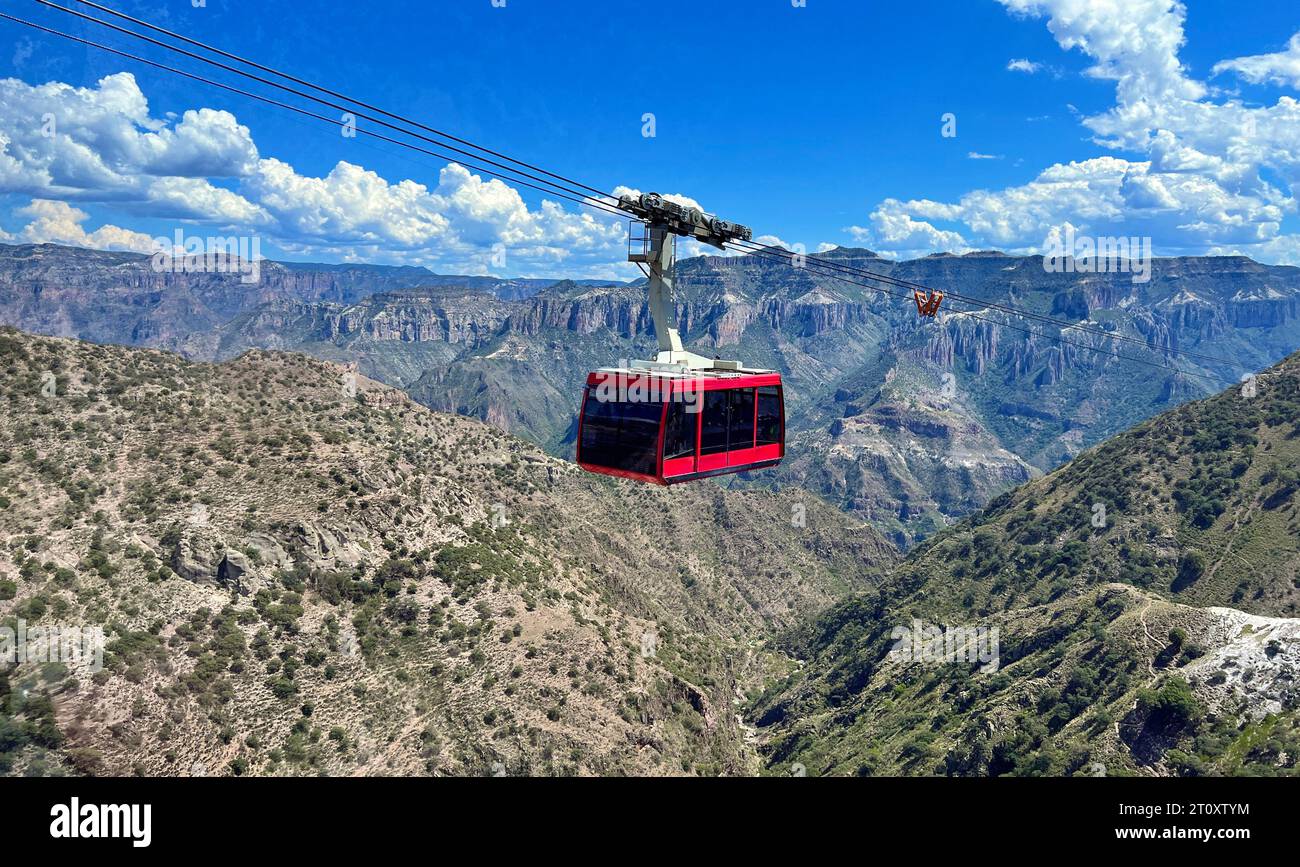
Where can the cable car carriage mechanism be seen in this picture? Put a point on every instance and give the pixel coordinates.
(927, 303)
(682, 416)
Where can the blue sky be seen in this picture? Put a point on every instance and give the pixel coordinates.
(818, 125)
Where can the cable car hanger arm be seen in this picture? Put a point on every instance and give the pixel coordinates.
(663, 221)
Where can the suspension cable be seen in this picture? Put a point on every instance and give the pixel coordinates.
(316, 99)
(592, 203)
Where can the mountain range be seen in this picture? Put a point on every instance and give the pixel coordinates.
(298, 570)
(908, 424)
(271, 541)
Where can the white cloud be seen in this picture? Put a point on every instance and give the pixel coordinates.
(60, 223)
(205, 144)
(1134, 42)
(464, 217)
(101, 145)
(895, 231)
(196, 199)
(1198, 173)
(1023, 65)
(1283, 248)
(976, 155)
(1282, 67)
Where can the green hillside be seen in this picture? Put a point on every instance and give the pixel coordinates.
(1100, 579)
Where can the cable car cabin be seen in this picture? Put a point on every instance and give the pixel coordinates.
(661, 427)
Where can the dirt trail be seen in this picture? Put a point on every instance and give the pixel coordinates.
(1233, 532)
(1142, 618)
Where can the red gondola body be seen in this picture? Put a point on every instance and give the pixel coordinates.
(666, 428)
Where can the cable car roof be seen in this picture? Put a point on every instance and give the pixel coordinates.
(707, 380)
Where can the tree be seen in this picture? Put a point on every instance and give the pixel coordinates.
(1190, 568)
(1172, 707)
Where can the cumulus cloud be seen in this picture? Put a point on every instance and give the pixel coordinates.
(60, 223)
(897, 234)
(1282, 67)
(102, 145)
(1134, 42)
(1195, 173)
(1181, 212)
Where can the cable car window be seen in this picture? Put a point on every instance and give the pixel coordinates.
(741, 428)
(679, 432)
(621, 435)
(713, 438)
(769, 415)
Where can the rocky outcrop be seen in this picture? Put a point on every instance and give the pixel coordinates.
(466, 319)
(1263, 307)
(194, 557)
(621, 311)
(203, 557)
(698, 700)
(267, 551)
(1255, 663)
(327, 547)
(234, 572)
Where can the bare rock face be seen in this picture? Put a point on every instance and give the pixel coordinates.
(327, 547)
(235, 572)
(195, 557)
(453, 317)
(698, 700)
(1263, 307)
(581, 310)
(1256, 660)
(270, 553)
(203, 557)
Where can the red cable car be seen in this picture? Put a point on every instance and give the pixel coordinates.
(666, 428)
(682, 416)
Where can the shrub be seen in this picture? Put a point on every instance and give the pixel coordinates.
(1172, 707)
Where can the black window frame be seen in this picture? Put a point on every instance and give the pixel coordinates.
(741, 418)
(710, 432)
(617, 452)
(770, 392)
(737, 418)
(681, 430)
